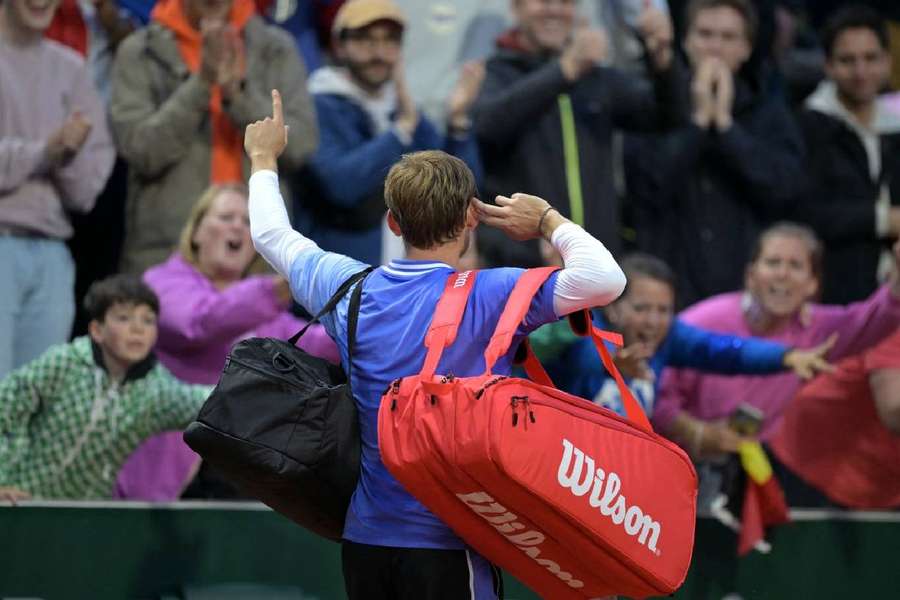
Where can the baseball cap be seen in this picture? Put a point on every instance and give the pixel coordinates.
(356, 14)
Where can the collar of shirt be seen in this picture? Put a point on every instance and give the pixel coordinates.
(406, 268)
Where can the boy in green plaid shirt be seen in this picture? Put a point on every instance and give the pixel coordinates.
(70, 419)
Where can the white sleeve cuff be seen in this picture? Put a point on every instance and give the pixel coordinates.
(591, 276)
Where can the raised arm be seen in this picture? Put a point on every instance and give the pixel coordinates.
(590, 277)
(273, 237)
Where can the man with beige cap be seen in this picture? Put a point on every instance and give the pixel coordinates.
(367, 120)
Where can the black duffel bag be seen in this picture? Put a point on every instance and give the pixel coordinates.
(282, 426)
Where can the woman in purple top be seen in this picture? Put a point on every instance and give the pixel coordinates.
(782, 279)
(208, 302)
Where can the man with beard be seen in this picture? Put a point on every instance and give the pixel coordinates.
(367, 120)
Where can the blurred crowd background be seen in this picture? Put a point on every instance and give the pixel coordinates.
(740, 157)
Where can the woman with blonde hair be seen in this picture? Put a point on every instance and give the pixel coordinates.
(210, 299)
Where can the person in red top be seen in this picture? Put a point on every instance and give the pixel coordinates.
(841, 434)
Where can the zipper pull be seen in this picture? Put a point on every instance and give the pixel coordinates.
(514, 402)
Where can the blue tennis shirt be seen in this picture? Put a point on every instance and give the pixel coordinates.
(398, 302)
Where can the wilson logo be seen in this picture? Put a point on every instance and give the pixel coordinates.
(577, 473)
(461, 279)
(527, 540)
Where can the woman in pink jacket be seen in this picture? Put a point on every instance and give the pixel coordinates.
(209, 300)
(782, 280)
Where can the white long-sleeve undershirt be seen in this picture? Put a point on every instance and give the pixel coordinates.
(590, 276)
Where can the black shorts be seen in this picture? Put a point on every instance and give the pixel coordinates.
(383, 573)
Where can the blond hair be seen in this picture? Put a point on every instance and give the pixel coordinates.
(186, 246)
(428, 193)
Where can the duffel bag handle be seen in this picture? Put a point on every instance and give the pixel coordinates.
(582, 324)
(446, 319)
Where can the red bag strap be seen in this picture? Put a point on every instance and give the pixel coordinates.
(583, 325)
(526, 358)
(515, 310)
(446, 319)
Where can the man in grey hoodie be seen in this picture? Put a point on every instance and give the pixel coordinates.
(367, 120)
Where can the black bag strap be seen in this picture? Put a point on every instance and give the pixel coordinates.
(332, 302)
(352, 320)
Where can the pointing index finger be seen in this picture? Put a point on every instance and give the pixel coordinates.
(277, 111)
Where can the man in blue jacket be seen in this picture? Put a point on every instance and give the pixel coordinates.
(367, 120)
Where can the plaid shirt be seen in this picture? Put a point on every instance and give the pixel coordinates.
(66, 428)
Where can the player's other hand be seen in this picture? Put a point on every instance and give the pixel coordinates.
(265, 140)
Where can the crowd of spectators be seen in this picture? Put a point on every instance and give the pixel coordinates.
(745, 153)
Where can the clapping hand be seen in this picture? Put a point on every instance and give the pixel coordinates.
(712, 94)
(587, 49)
(464, 94)
(222, 59)
(655, 28)
(407, 113)
(66, 141)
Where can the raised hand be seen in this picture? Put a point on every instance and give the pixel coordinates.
(66, 141)
(214, 50)
(75, 132)
(702, 97)
(806, 364)
(632, 361)
(265, 140)
(464, 93)
(519, 216)
(724, 100)
(407, 113)
(587, 49)
(655, 28)
(231, 69)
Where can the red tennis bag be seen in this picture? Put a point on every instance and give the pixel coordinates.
(570, 498)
